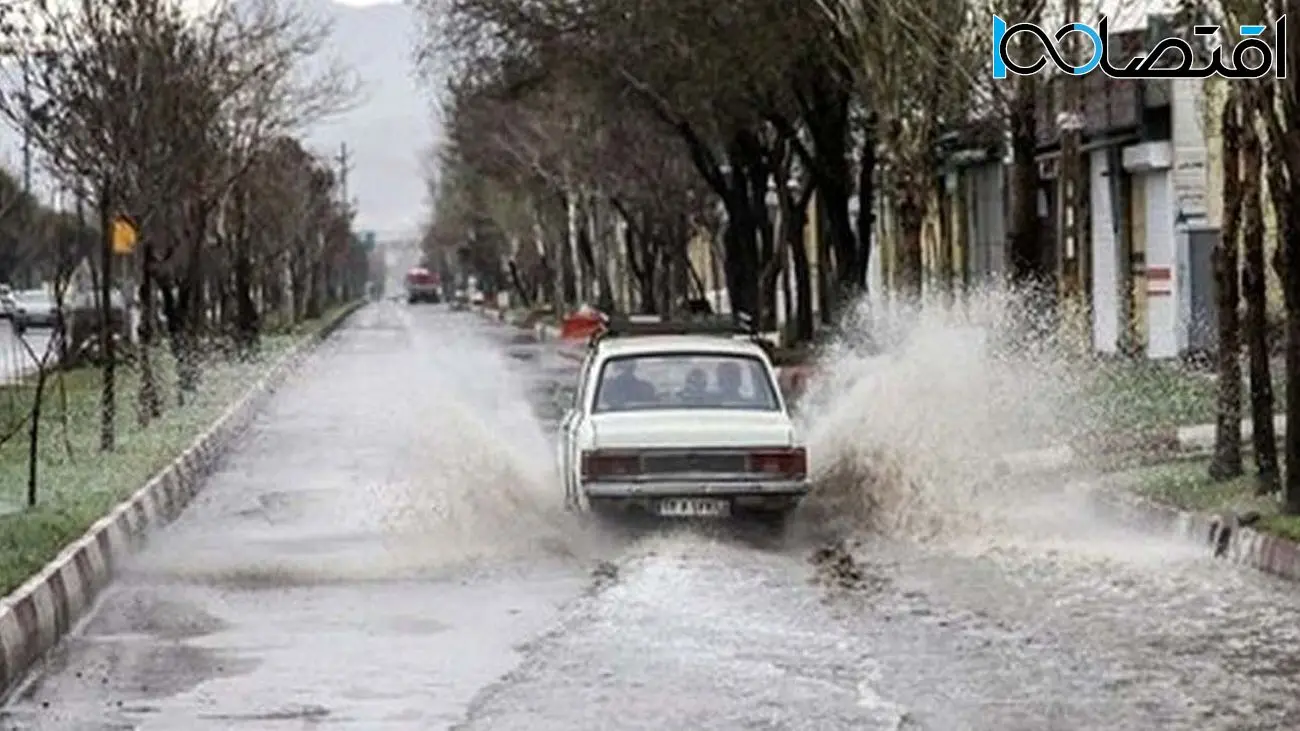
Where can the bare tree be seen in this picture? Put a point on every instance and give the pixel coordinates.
(1254, 288)
(913, 63)
(1227, 460)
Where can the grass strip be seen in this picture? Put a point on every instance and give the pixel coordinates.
(1144, 395)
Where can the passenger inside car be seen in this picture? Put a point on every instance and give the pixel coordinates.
(696, 389)
(728, 377)
(626, 387)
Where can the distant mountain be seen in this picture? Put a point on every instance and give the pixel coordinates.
(388, 134)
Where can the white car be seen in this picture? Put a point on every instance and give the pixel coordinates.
(687, 424)
(34, 308)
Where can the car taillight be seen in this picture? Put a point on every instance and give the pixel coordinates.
(784, 462)
(606, 465)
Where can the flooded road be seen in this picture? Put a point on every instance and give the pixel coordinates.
(385, 550)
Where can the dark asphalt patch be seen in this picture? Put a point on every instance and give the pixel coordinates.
(157, 672)
(142, 611)
(837, 569)
(603, 576)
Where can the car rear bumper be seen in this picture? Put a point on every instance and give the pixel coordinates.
(679, 488)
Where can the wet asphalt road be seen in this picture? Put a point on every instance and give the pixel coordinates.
(385, 550)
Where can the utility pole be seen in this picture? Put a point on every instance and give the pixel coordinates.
(27, 125)
(1073, 181)
(344, 159)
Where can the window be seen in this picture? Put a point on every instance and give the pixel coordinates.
(685, 381)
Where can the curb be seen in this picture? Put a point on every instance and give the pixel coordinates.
(38, 614)
(1226, 538)
(1223, 534)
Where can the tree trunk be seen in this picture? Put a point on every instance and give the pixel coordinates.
(1290, 229)
(911, 219)
(1255, 330)
(825, 266)
(866, 203)
(34, 435)
(804, 326)
(149, 406)
(945, 244)
(246, 320)
(108, 396)
(1024, 240)
(1227, 462)
(192, 326)
(174, 309)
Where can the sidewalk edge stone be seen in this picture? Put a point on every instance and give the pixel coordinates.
(1221, 534)
(36, 616)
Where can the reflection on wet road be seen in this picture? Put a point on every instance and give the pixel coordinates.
(386, 550)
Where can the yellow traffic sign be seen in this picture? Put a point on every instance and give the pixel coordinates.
(124, 235)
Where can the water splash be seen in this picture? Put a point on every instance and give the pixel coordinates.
(409, 447)
(905, 426)
(481, 478)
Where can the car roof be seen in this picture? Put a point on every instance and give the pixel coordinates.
(653, 344)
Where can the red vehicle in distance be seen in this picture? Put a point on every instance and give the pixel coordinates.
(422, 285)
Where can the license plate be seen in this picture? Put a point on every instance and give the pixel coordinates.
(693, 508)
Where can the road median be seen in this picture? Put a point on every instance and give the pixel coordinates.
(95, 508)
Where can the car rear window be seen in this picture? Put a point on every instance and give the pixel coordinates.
(685, 381)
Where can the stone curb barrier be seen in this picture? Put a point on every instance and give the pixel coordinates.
(1224, 535)
(40, 612)
(1227, 536)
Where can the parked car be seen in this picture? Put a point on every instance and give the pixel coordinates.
(681, 421)
(7, 302)
(34, 308)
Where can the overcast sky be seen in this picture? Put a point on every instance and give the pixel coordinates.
(388, 136)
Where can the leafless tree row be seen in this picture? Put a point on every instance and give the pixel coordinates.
(188, 124)
(667, 119)
(1259, 121)
(581, 132)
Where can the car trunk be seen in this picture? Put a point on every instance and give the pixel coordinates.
(697, 428)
